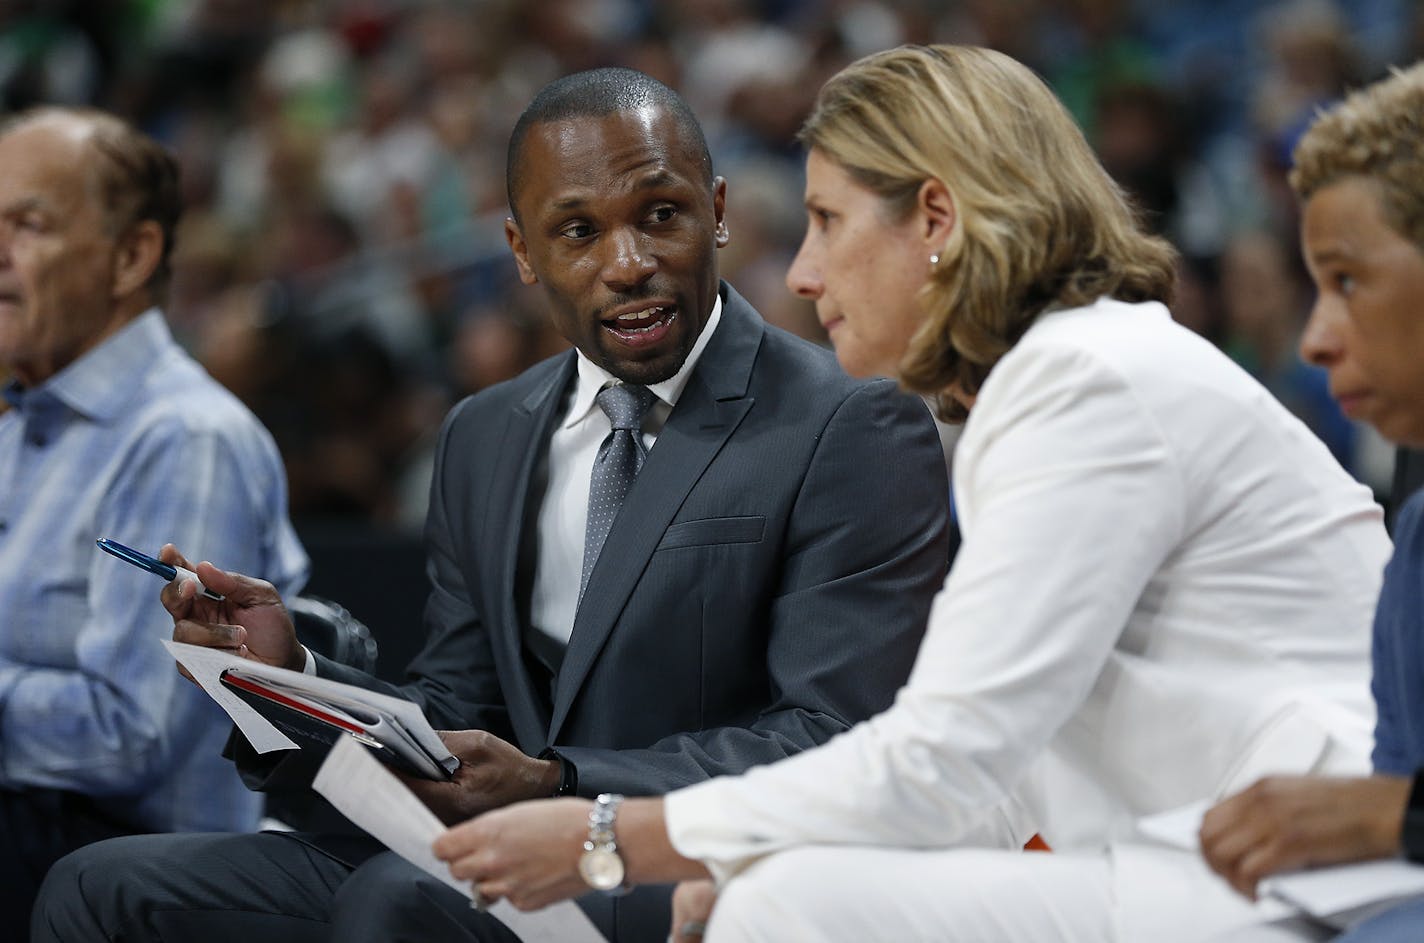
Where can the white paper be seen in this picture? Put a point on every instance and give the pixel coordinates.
(206, 665)
(1176, 828)
(1325, 892)
(372, 797)
(1320, 892)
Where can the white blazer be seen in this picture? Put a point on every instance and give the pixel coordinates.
(1165, 590)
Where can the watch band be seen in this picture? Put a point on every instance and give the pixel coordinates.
(601, 818)
(601, 866)
(1411, 833)
(568, 773)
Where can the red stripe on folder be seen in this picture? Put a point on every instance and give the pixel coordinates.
(285, 701)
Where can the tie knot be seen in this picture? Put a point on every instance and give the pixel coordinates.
(625, 405)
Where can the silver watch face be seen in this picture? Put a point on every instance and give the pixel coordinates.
(602, 869)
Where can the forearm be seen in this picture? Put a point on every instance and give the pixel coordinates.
(64, 729)
(647, 850)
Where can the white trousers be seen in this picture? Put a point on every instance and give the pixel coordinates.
(817, 894)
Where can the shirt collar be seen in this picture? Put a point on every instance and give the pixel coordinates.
(100, 383)
(592, 377)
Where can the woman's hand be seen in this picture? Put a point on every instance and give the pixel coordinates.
(692, 903)
(527, 853)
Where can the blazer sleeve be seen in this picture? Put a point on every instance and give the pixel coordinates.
(453, 677)
(866, 549)
(1045, 582)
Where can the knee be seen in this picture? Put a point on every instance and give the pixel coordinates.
(757, 905)
(64, 909)
(379, 901)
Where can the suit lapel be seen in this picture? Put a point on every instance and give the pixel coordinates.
(711, 407)
(526, 437)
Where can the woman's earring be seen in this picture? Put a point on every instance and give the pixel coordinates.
(934, 260)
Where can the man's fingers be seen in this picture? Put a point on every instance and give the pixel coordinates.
(227, 584)
(177, 597)
(1256, 865)
(209, 634)
(1224, 848)
(170, 554)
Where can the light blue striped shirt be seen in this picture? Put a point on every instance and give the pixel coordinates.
(136, 442)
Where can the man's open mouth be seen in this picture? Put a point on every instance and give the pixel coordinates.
(642, 326)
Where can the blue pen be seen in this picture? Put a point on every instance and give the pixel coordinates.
(153, 565)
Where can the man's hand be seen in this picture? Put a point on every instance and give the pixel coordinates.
(492, 774)
(250, 620)
(692, 903)
(527, 853)
(1284, 823)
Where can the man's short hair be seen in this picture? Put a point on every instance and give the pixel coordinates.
(1376, 133)
(137, 178)
(597, 93)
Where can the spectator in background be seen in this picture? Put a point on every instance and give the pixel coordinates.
(395, 113)
(113, 431)
(1360, 174)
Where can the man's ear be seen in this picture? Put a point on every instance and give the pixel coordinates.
(719, 210)
(139, 252)
(937, 213)
(515, 238)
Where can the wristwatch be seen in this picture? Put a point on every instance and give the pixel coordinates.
(1411, 835)
(568, 773)
(601, 866)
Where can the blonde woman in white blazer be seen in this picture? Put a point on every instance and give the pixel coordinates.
(1164, 590)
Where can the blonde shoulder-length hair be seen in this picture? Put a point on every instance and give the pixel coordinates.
(1040, 223)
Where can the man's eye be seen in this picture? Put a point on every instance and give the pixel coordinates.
(1345, 284)
(577, 231)
(662, 214)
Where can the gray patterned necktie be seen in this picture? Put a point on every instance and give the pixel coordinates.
(620, 457)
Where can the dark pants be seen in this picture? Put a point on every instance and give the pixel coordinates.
(37, 828)
(265, 888)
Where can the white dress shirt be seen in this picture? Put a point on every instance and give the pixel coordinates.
(1164, 590)
(563, 516)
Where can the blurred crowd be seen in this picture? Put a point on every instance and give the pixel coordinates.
(342, 265)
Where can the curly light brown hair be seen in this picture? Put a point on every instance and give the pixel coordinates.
(1376, 133)
(1040, 223)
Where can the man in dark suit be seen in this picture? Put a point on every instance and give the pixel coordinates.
(762, 586)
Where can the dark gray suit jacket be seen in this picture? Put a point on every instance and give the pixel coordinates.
(764, 587)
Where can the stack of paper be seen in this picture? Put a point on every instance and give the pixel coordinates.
(272, 705)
